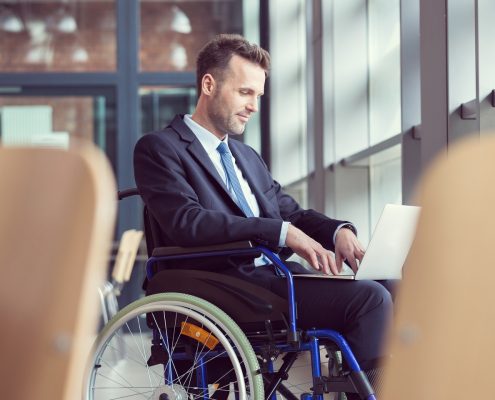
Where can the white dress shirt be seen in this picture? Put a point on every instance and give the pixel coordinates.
(210, 143)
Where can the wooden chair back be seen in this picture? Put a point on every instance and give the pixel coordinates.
(57, 215)
(442, 341)
(126, 255)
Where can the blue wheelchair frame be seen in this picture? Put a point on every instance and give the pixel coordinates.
(359, 382)
(294, 343)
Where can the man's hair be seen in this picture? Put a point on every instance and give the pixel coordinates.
(214, 57)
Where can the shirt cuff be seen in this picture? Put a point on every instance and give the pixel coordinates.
(347, 225)
(283, 234)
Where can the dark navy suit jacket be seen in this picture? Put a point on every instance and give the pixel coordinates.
(186, 196)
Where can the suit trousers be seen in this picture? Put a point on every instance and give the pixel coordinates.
(360, 310)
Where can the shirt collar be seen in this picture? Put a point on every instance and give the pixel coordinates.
(209, 141)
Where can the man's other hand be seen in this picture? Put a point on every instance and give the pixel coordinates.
(347, 247)
(312, 251)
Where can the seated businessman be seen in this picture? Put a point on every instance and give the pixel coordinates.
(205, 188)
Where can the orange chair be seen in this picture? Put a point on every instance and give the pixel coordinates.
(442, 342)
(57, 215)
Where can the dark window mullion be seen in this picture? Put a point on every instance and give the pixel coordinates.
(58, 78)
(167, 79)
(127, 106)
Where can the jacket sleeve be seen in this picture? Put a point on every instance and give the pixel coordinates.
(316, 225)
(173, 202)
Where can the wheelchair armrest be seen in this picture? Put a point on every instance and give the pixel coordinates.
(176, 250)
(122, 194)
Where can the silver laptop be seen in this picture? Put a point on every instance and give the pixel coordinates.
(388, 247)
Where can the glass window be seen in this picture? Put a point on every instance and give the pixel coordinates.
(159, 105)
(362, 66)
(349, 196)
(288, 115)
(362, 100)
(173, 32)
(299, 191)
(384, 69)
(45, 117)
(486, 55)
(364, 187)
(62, 36)
(385, 181)
(346, 65)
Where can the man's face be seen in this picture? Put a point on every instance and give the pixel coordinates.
(236, 98)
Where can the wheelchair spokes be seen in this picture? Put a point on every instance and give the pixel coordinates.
(173, 350)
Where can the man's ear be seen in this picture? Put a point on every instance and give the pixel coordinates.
(208, 84)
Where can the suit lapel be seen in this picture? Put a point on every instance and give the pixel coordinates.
(243, 164)
(197, 151)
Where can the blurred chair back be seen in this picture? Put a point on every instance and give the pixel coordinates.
(57, 215)
(126, 255)
(442, 342)
(121, 272)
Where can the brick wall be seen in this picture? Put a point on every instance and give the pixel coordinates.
(41, 47)
(52, 50)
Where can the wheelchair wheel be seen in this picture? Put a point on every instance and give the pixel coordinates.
(172, 346)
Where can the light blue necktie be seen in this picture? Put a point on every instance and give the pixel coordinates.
(233, 182)
(235, 186)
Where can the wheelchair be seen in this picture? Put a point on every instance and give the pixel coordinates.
(209, 335)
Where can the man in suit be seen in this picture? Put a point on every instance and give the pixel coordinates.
(203, 188)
